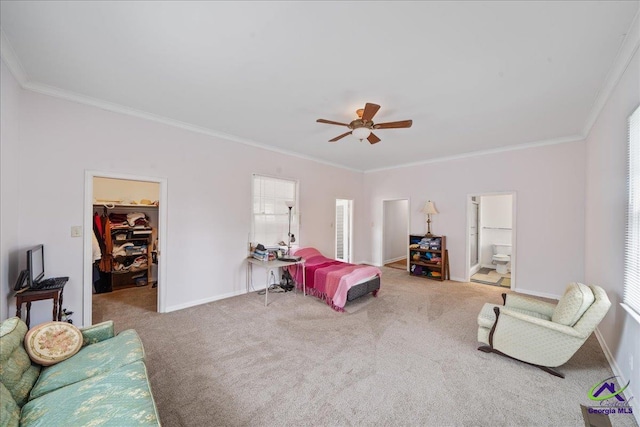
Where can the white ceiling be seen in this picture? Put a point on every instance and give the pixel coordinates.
(473, 76)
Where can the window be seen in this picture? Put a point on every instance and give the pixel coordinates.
(270, 211)
(632, 241)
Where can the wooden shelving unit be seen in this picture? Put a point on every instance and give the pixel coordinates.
(428, 257)
(127, 278)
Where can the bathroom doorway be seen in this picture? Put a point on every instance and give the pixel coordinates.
(491, 239)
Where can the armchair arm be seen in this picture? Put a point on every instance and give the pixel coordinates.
(98, 332)
(563, 329)
(529, 304)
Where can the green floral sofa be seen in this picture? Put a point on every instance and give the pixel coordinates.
(104, 384)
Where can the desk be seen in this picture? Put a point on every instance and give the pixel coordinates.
(269, 266)
(38, 295)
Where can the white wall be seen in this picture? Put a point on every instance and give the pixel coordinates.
(396, 240)
(496, 221)
(9, 190)
(209, 194)
(550, 176)
(606, 198)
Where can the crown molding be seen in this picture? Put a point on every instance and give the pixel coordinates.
(11, 59)
(15, 66)
(117, 108)
(542, 143)
(120, 109)
(625, 54)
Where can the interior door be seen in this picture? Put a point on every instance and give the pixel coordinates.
(474, 245)
(344, 226)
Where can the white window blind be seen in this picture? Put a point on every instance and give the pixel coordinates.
(632, 241)
(270, 211)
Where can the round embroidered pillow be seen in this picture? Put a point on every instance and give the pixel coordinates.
(52, 342)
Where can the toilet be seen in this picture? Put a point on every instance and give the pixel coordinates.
(501, 258)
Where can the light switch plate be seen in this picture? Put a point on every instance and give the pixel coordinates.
(76, 231)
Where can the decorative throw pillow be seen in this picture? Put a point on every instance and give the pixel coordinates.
(575, 301)
(52, 342)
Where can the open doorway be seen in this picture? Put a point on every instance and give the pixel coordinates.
(344, 230)
(491, 239)
(125, 223)
(395, 233)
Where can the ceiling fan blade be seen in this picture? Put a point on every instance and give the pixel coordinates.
(394, 125)
(330, 122)
(340, 137)
(370, 110)
(373, 139)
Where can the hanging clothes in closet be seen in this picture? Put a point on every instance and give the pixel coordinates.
(102, 229)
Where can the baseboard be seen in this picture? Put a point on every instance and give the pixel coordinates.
(457, 279)
(616, 371)
(389, 261)
(369, 263)
(205, 300)
(473, 270)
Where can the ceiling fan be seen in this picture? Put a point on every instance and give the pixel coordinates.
(362, 126)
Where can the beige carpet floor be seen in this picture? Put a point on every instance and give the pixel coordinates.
(406, 358)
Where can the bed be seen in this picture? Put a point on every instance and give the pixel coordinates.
(335, 282)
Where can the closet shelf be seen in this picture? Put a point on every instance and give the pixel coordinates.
(129, 271)
(425, 250)
(130, 238)
(427, 264)
(124, 205)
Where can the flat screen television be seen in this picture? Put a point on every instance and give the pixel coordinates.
(35, 264)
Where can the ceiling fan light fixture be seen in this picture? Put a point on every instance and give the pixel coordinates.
(362, 127)
(361, 133)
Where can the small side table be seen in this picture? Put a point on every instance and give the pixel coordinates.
(269, 266)
(39, 295)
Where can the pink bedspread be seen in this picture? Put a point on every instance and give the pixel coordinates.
(329, 279)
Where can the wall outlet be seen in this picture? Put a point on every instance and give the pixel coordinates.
(76, 231)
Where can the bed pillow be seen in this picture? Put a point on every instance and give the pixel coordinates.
(306, 252)
(52, 342)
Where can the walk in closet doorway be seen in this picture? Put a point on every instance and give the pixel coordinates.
(125, 226)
